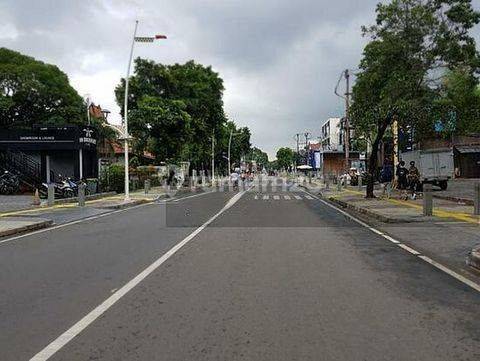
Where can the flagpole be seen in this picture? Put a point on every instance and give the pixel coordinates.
(125, 121)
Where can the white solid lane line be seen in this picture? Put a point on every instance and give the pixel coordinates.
(412, 251)
(77, 328)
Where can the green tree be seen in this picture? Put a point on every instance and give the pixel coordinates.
(458, 108)
(162, 126)
(257, 155)
(32, 92)
(285, 158)
(200, 91)
(412, 44)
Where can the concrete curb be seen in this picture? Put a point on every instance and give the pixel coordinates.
(468, 202)
(473, 258)
(29, 228)
(133, 203)
(91, 197)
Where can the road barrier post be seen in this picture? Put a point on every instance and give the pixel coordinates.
(36, 198)
(51, 194)
(476, 200)
(427, 200)
(81, 194)
(359, 183)
(147, 186)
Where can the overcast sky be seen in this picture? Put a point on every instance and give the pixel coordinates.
(280, 60)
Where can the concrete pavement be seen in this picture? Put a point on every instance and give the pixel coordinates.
(277, 278)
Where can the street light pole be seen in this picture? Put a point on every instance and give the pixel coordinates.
(347, 121)
(125, 117)
(229, 147)
(126, 136)
(213, 156)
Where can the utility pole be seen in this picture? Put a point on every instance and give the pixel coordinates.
(306, 134)
(347, 121)
(297, 136)
(213, 155)
(395, 146)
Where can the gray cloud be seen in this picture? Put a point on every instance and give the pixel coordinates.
(280, 59)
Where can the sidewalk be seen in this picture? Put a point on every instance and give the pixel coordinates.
(459, 190)
(395, 209)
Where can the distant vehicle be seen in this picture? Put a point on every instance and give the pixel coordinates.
(435, 166)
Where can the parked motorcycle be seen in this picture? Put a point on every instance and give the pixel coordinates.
(9, 183)
(64, 188)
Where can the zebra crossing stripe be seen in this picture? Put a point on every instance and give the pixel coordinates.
(298, 197)
(256, 196)
(265, 197)
(286, 197)
(276, 198)
(309, 197)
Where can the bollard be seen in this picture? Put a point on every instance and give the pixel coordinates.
(339, 185)
(81, 194)
(360, 182)
(194, 179)
(389, 189)
(146, 186)
(51, 194)
(427, 200)
(476, 200)
(36, 198)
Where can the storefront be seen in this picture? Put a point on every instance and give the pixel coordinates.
(69, 151)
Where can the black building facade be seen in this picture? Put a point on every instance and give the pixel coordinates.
(67, 150)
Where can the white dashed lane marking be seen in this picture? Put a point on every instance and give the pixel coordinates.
(277, 197)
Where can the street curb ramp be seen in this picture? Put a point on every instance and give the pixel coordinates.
(28, 228)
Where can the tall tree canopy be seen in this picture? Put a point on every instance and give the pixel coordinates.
(32, 92)
(413, 44)
(285, 158)
(175, 109)
(257, 155)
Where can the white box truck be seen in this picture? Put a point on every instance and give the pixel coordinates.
(435, 166)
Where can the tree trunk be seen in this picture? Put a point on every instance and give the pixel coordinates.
(372, 161)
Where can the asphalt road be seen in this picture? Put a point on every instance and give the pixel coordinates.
(277, 276)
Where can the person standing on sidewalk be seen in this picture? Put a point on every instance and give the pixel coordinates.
(413, 179)
(401, 175)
